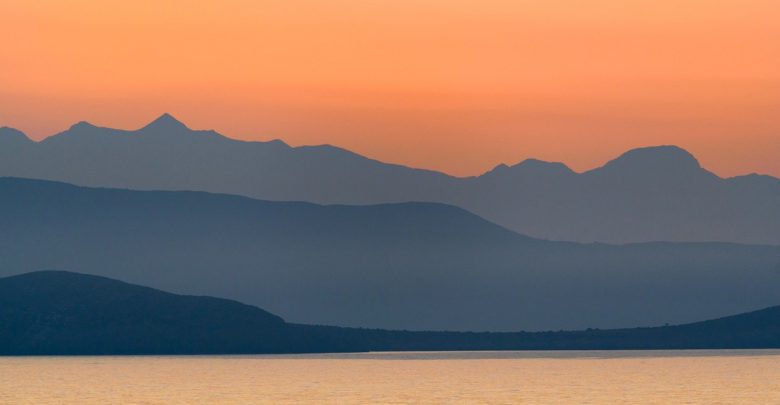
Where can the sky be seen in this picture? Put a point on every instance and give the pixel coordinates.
(452, 85)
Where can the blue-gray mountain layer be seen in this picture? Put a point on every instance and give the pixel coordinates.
(423, 266)
(650, 194)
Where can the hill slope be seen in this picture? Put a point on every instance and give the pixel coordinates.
(403, 266)
(648, 194)
(67, 313)
(62, 313)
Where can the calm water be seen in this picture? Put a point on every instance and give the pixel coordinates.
(684, 377)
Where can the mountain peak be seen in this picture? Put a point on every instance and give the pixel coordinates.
(541, 165)
(165, 122)
(653, 160)
(533, 167)
(82, 125)
(13, 135)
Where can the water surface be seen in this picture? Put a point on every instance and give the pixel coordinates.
(592, 377)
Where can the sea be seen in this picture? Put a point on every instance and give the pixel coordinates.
(518, 377)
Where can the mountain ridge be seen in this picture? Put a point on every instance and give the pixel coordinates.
(399, 266)
(646, 194)
(167, 121)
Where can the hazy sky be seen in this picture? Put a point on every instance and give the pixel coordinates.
(452, 85)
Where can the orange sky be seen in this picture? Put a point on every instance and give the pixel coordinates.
(452, 85)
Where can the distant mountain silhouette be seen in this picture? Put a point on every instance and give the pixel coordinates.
(422, 266)
(649, 194)
(62, 313)
(10, 138)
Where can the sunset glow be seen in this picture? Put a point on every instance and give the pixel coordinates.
(437, 84)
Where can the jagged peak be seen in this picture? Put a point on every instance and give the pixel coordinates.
(165, 122)
(533, 166)
(541, 164)
(82, 125)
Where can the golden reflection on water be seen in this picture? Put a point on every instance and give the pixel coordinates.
(692, 377)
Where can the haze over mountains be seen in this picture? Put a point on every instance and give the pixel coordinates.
(420, 266)
(649, 194)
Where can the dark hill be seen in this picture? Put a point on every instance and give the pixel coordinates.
(62, 313)
(754, 330)
(57, 312)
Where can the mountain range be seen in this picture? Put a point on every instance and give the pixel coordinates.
(63, 313)
(414, 266)
(649, 194)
